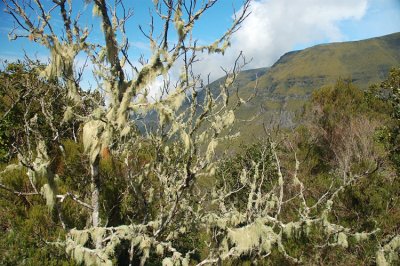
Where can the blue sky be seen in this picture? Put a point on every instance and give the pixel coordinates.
(382, 17)
(211, 26)
(273, 28)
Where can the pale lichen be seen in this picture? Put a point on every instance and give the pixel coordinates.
(389, 253)
(290, 228)
(380, 259)
(211, 149)
(186, 140)
(360, 236)
(222, 122)
(255, 236)
(96, 11)
(95, 137)
(68, 114)
(48, 194)
(167, 262)
(342, 240)
(160, 250)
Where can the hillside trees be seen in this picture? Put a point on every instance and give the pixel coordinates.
(22, 120)
(341, 121)
(391, 88)
(21, 93)
(345, 137)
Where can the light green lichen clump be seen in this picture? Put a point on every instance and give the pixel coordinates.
(95, 137)
(291, 228)
(48, 194)
(389, 253)
(256, 236)
(68, 114)
(342, 240)
(222, 122)
(360, 236)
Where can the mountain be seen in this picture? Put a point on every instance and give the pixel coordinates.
(283, 88)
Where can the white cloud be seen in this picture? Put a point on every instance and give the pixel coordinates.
(278, 26)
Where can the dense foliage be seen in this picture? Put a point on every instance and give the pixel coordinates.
(345, 134)
(111, 177)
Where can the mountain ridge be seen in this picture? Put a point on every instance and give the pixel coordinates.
(284, 87)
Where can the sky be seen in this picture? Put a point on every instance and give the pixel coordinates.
(273, 28)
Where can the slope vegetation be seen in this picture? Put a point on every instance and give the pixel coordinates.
(283, 88)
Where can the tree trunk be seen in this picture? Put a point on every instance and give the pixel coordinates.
(95, 187)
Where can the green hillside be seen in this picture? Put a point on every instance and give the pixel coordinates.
(284, 87)
(364, 62)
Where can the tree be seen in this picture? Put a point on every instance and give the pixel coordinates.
(391, 87)
(341, 121)
(109, 127)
